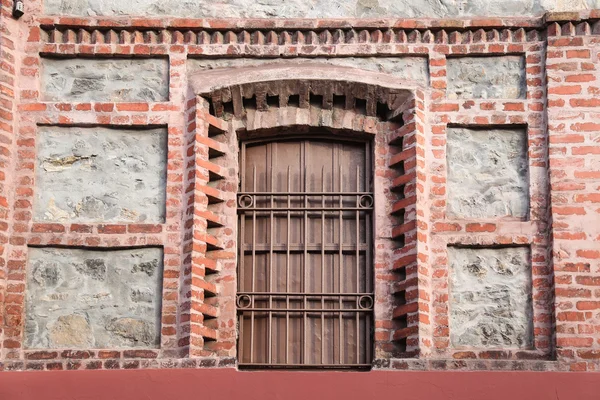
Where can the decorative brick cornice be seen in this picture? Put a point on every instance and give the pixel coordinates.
(70, 30)
(574, 28)
(66, 34)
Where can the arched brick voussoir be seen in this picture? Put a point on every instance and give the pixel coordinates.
(302, 84)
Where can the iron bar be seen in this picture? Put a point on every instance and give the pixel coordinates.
(287, 272)
(341, 241)
(270, 269)
(305, 259)
(357, 265)
(323, 265)
(253, 268)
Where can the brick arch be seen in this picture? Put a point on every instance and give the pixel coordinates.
(260, 101)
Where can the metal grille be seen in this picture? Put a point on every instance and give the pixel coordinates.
(305, 293)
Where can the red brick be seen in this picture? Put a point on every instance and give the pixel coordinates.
(593, 254)
(564, 90)
(143, 228)
(574, 342)
(581, 78)
(570, 316)
(580, 53)
(446, 227)
(112, 229)
(133, 107)
(448, 107)
(476, 227)
(588, 305)
(595, 102)
(48, 228)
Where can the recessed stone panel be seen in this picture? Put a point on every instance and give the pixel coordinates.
(405, 68)
(96, 174)
(490, 298)
(497, 77)
(487, 173)
(85, 299)
(111, 80)
(312, 8)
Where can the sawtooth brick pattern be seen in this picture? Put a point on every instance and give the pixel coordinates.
(565, 323)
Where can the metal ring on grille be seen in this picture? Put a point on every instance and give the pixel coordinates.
(365, 201)
(365, 302)
(245, 201)
(241, 299)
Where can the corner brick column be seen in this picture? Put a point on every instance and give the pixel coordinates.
(574, 132)
(13, 66)
(8, 86)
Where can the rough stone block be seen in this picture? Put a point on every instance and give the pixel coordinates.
(405, 68)
(312, 8)
(490, 298)
(496, 77)
(111, 80)
(487, 173)
(84, 299)
(100, 175)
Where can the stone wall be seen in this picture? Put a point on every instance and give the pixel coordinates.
(105, 80)
(490, 298)
(100, 175)
(90, 299)
(487, 173)
(313, 8)
(486, 77)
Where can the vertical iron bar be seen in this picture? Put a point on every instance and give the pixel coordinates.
(287, 271)
(369, 270)
(241, 282)
(270, 270)
(357, 264)
(305, 263)
(323, 265)
(253, 265)
(341, 244)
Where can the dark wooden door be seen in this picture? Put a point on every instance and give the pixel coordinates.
(305, 293)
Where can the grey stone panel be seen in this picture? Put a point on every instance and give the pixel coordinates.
(313, 8)
(92, 299)
(405, 68)
(496, 77)
(95, 174)
(490, 298)
(110, 80)
(488, 174)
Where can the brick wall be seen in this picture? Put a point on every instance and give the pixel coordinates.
(10, 56)
(545, 97)
(573, 132)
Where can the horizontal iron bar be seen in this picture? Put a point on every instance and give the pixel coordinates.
(302, 294)
(244, 210)
(300, 247)
(307, 310)
(305, 194)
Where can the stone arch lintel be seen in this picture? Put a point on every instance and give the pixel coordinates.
(304, 82)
